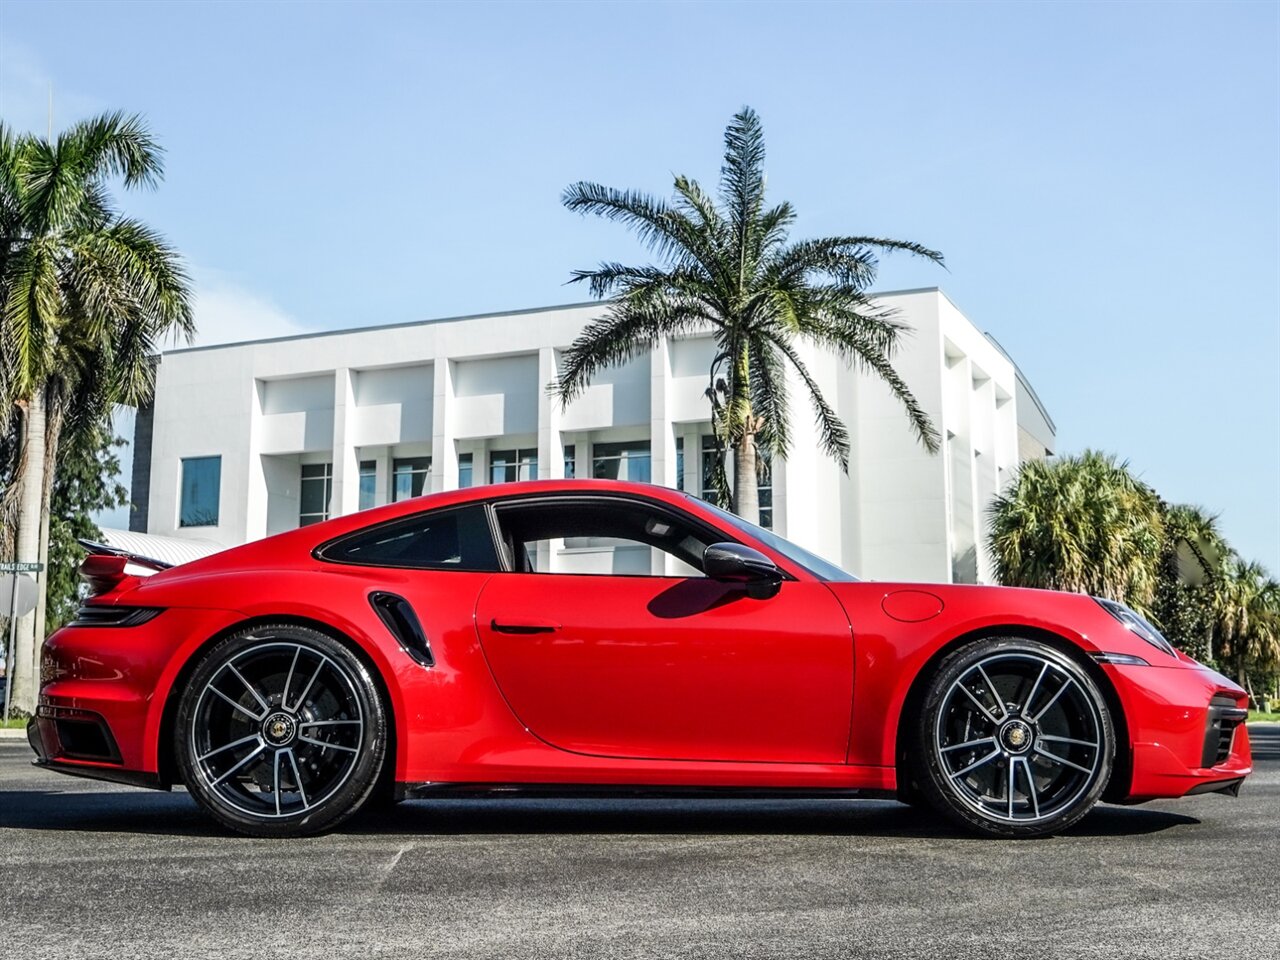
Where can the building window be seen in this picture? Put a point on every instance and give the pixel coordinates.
(764, 488)
(368, 483)
(712, 460)
(570, 461)
(679, 463)
(316, 489)
(465, 477)
(764, 484)
(621, 461)
(507, 466)
(201, 483)
(409, 477)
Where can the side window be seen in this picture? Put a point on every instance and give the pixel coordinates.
(600, 535)
(438, 540)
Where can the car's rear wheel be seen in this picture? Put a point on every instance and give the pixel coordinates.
(1014, 739)
(280, 732)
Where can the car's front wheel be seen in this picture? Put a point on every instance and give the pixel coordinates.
(1014, 739)
(280, 732)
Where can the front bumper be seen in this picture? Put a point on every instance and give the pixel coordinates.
(1186, 731)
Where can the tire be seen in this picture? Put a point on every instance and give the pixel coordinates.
(1029, 762)
(280, 732)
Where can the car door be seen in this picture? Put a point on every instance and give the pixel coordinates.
(667, 667)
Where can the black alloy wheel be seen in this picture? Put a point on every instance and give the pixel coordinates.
(280, 732)
(1014, 739)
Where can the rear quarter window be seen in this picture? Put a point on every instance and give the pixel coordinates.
(457, 539)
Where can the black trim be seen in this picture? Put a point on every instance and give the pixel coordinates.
(1230, 788)
(438, 791)
(397, 614)
(66, 732)
(1220, 725)
(131, 778)
(322, 551)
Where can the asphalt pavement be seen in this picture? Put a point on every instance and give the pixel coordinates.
(93, 870)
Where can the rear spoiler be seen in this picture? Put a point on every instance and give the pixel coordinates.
(101, 549)
(103, 568)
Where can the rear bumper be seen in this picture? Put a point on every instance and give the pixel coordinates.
(103, 694)
(79, 743)
(1186, 731)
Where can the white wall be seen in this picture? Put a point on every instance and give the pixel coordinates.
(477, 384)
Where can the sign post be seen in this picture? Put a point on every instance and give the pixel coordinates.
(13, 569)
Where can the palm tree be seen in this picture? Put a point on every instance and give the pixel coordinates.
(86, 293)
(1083, 524)
(730, 268)
(1191, 564)
(1246, 616)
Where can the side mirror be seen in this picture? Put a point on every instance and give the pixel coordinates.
(734, 563)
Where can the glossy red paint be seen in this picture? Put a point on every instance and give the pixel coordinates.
(615, 680)
(710, 674)
(911, 606)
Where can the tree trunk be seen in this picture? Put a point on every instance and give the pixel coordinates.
(746, 484)
(52, 440)
(31, 469)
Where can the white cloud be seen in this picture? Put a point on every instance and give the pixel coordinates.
(226, 312)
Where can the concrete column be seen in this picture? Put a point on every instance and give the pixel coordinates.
(382, 477)
(257, 493)
(550, 441)
(550, 444)
(692, 458)
(662, 437)
(444, 449)
(346, 465)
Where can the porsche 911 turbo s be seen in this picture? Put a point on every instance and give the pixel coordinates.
(563, 637)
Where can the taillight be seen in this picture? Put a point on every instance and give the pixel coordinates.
(102, 615)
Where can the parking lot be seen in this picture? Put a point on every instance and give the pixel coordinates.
(94, 870)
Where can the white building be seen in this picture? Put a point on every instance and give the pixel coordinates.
(250, 439)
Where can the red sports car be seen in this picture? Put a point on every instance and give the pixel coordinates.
(420, 649)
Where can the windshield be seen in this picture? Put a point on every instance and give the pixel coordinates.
(822, 569)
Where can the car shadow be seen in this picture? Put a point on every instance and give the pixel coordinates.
(176, 814)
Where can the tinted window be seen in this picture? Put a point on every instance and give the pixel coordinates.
(201, 480)
(439, 540)
(314, 493)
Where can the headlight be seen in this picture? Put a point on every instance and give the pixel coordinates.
(1139, 624)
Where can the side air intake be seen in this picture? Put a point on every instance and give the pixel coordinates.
(395, 612)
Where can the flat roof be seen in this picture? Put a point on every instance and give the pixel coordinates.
(468, 316)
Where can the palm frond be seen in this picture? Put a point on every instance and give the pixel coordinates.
(871, 358)
(832, 433)
(742, 173)
(113, 145)
(769, 396)
(630, 327)
(658, 227)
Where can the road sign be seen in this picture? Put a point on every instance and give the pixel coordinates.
(26, 593)
(21, 567)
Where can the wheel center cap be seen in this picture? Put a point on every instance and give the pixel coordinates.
(1016, 736)
(279, 729)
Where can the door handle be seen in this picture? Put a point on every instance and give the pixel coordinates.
(523, 626)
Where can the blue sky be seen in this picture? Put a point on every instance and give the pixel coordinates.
(1104, 179)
